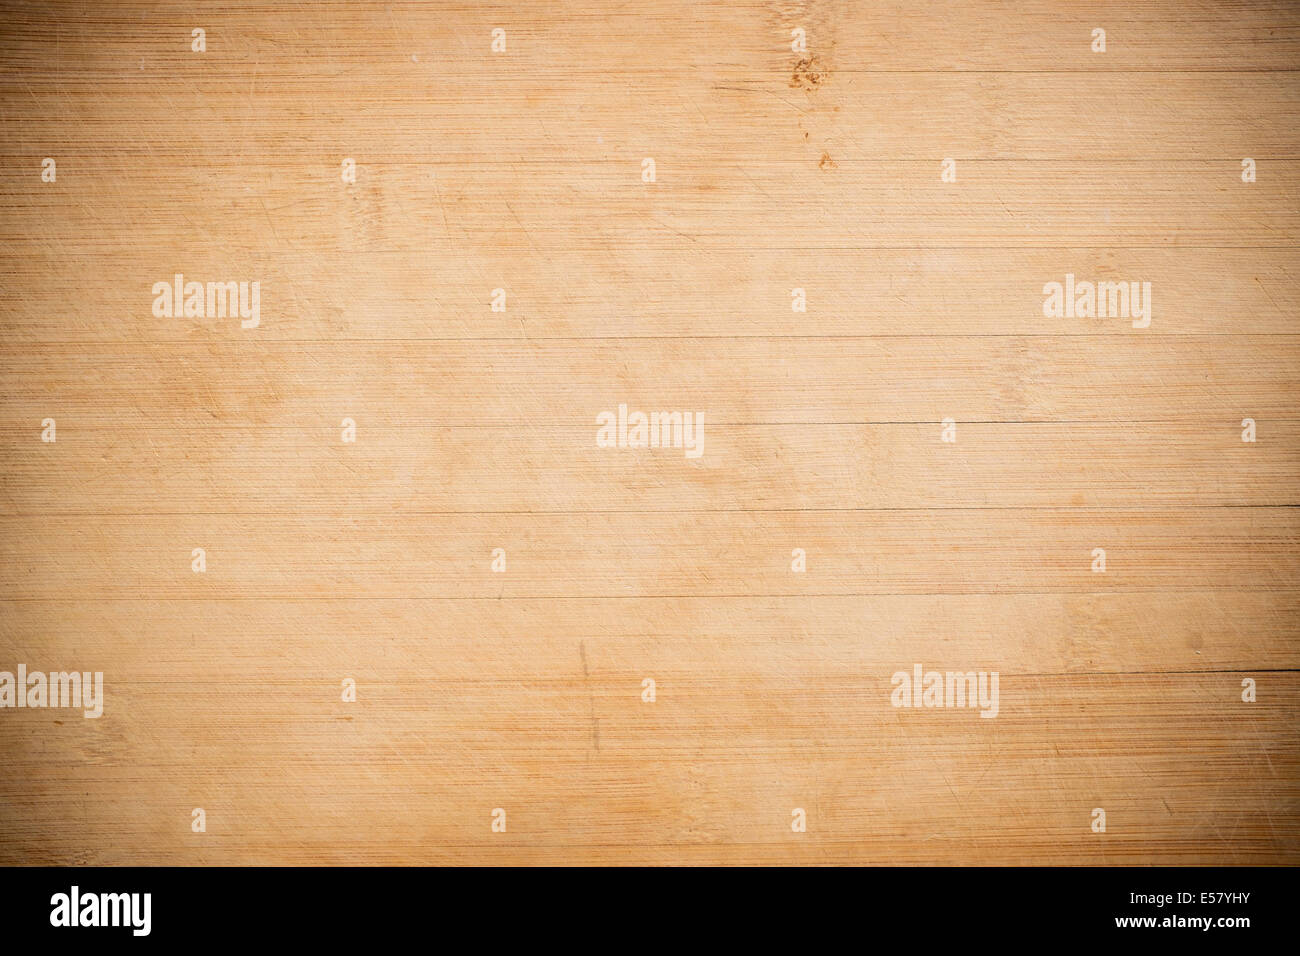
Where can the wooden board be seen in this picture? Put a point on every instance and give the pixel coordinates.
(917, 468)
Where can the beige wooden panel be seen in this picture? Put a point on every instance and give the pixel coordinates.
(422, 468)
(582, 206)
(476, 429)
(576, 39)
(649, 554)
(640, 293)
(841, 637)
(710, 123)
(1215, 380)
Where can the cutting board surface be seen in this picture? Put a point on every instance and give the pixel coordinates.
(729, 432)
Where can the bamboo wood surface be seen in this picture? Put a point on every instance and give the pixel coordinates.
(521, 689)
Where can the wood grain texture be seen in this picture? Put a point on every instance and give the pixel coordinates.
(476, 429)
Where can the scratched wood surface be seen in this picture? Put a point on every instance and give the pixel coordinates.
(775, 169)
